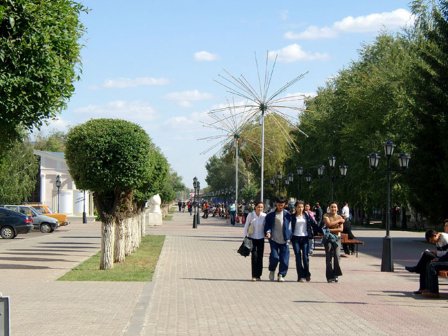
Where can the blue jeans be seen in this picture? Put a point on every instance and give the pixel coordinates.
(300, 245)
(232, 217)
(279, 253)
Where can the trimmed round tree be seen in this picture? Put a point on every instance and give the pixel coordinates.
(109, 157)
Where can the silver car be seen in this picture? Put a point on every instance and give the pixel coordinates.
(41, 222)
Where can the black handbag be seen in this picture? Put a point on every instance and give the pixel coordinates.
(245, 247)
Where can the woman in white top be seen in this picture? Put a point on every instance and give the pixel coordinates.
(254, 229)
(303, 228)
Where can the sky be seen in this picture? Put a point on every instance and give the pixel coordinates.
(157, 63)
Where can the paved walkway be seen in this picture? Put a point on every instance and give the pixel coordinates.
(202, 287)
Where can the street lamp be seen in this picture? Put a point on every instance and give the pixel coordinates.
(198, 219)
(332, 164)
(58, 185)
(308, 178)
(84, 216)
(279, 180)
(195, 184)
(300, 174)
(403, 161)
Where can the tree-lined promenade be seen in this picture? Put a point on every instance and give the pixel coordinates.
(396, 90)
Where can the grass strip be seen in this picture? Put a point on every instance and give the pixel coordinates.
(139, 266)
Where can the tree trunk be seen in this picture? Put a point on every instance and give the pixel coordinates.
(127, 234)
(107, 246)
(119, 255)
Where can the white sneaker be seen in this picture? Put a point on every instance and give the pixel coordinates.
(281, 278)
(254, 279)
(271, 275)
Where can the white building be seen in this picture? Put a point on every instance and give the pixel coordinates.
(67, 198)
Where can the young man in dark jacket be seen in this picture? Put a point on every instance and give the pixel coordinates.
(278, 230)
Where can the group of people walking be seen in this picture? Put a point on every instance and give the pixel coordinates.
(298, 228)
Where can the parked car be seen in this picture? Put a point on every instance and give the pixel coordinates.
(45, 210)
(41, 222)
(13, 223)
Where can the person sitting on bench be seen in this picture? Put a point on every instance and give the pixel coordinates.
(430, 262)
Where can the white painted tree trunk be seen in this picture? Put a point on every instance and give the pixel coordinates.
(119, 255)
(107, 246)
(127, 235)
(143, 226)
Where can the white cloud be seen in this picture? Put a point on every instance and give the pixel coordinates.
(185, 98)
(51, 126)
(294, 52)
(284, 15)
(361, 24)
(121, 83)
(206, 56)
(135, 111)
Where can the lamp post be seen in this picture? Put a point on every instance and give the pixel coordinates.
(332, 164)
(58, 185)
(279, 179)
(198, 213)
(195, 183)
(386, 259)
(300, 174)
(308, 180)
(84, 216)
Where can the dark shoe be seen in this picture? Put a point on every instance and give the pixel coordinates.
(431, 295)
(308, 279)
(411, 269)
(417, 292)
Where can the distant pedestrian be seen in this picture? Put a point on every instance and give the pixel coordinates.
(278, 230)
(318, 214)
(190, 207)
(254, 229)
(179, 204)
(348, 248)
(232, 211)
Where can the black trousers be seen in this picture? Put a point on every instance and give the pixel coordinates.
(432, 274)
(422, 268)
(257, 257)
(348, 230)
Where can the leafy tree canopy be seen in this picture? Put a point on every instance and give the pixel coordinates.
(108, 154)
(18, 172)
(39, 59)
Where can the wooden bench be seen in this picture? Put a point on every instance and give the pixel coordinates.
(354, 242)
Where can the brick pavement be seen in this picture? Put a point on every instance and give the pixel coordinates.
(202, 287)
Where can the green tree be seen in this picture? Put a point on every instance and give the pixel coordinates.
(54, 142)
(352, 116)
(18, 172)
(429, 102)
(109, 157)
(39, 61)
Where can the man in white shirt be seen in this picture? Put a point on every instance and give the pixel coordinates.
(345, 213)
